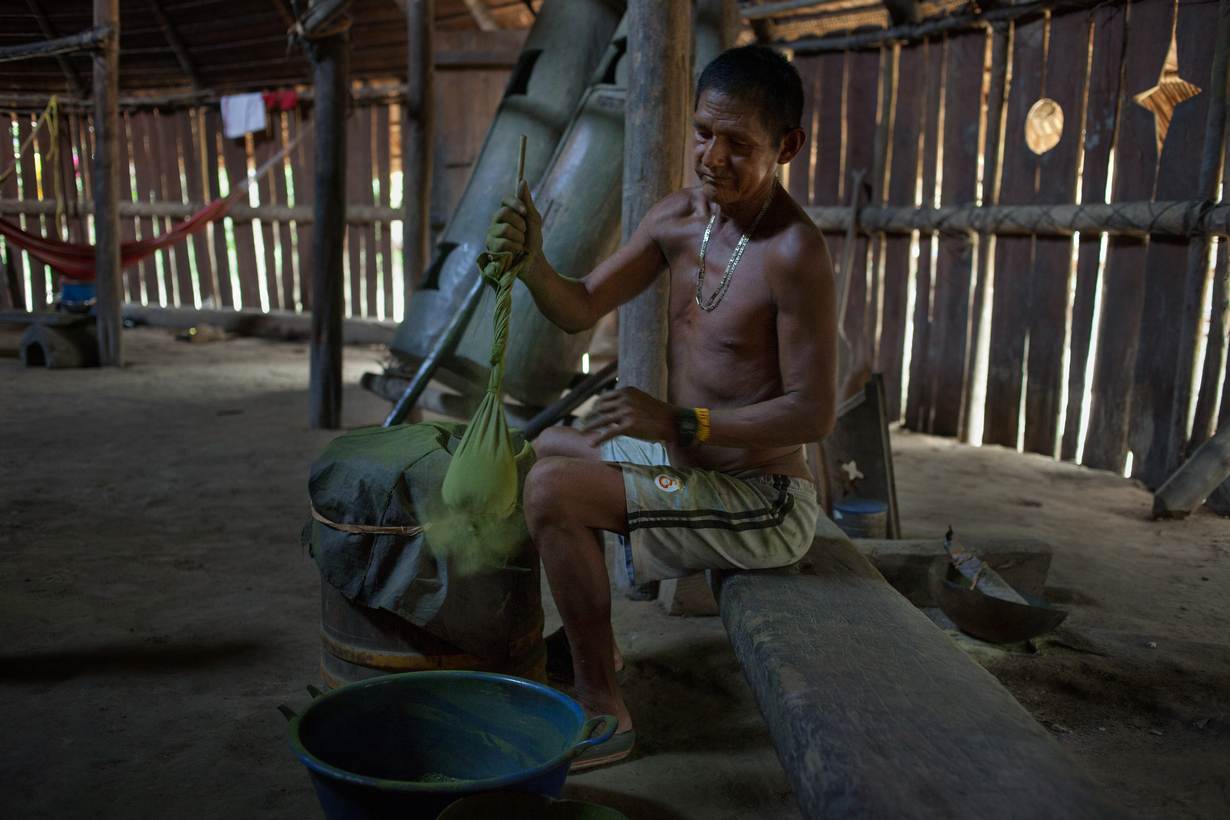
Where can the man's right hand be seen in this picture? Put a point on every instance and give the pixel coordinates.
(517, 226)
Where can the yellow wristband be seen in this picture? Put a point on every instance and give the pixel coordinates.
(702, 424)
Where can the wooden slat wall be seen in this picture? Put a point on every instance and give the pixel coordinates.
(1066, 370)
(1101, 119)
(1123, 296)
(1153, 408)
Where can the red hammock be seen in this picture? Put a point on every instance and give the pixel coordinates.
(77, 260)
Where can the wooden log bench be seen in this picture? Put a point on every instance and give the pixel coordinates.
(874, 712)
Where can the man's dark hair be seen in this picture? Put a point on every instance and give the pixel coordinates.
(759, 75)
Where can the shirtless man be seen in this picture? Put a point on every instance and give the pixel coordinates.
(715, 477)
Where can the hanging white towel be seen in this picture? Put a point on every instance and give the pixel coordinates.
(242, 114)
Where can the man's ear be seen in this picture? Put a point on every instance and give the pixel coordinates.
(792, 144)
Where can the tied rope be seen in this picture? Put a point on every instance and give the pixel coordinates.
(367, 529)
(51, 118)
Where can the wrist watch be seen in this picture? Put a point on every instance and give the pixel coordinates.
(686, 426)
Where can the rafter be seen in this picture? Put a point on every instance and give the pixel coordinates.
(177, 45)
(49, 31)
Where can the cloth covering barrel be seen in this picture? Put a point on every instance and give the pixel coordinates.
(392, 602)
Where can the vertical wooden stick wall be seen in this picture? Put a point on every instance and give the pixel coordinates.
(106, 188)
(1049, 343)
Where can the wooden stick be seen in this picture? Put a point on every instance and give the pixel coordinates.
(933, 26)
(520, 163)
(88, 40)
(1183, 218)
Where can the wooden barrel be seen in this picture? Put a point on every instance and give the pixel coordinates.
(358, 642)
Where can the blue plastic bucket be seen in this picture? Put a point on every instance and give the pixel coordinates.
(408, 745)
(861, 517)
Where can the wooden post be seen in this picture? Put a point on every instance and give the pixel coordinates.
(418, 127)
(107, 270)
(331, 68)
(658, 84)
(717, 27)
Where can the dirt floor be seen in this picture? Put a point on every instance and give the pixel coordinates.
(156, 607)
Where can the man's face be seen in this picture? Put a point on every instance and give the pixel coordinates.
(734, 151)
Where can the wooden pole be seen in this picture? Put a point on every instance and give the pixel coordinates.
(418, 132)
(89, 40)
(658, 84)
(107, 268)
(717, 27)
(331, 64)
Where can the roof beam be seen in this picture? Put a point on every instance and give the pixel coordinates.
(177, 45)
(49, 31)
(88, 40)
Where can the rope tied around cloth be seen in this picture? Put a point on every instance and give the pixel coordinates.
(368, 529)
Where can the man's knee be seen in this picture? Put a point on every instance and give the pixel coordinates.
(563, 490)
(546, 490)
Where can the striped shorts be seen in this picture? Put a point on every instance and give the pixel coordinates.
(684, 521)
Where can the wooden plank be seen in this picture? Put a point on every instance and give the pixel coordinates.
(863, 83)
(1160, 397)
(1123, 291)
(371, 281)
(885, 102)
(167, 127)
(40, 294)
(950, 308)
(1014, 262)
(384, 229)
(235, 162)
(301, 163)
(143, 169)
(66, 185)
(354, 233)
(264, 147)
(800, 170)
(858, 738)
(902, 179)
(133, 275)
(918, 399)
(12, 288)
(980, 309)
(1048, 295)
(71, 131)
(189, 134)
(289, 271)
(211, 153)
(1101, 119)
(827, 173)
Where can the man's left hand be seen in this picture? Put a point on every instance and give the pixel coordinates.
(630, 412)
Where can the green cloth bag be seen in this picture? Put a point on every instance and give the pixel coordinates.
(481, 482)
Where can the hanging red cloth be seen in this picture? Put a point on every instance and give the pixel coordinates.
(77, 260)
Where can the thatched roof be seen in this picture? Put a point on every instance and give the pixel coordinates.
(230, 45)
